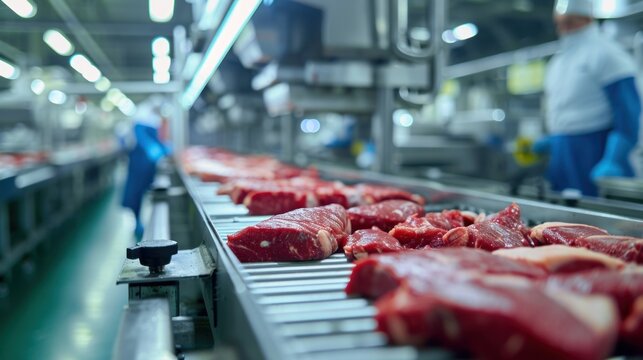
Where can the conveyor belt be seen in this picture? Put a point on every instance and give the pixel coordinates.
(299, 310)
(304, 302)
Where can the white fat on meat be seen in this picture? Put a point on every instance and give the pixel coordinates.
(537, 231)
(327, 243)
(598, 312)
(554, 257)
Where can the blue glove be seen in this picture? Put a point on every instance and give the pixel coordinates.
(615, 159)
(542, 146)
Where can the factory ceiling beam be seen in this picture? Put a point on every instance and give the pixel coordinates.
(109, 29)
(84, 38)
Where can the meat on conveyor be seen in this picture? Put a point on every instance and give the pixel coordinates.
(371, 194)
(383, 215)
(303, 234)
(562, 259)
(503, 318)
(370, 241)
(421, 231)
(379, 274)
(626, 248)
(551, 233)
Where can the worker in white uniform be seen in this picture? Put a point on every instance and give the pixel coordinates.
(593, 106)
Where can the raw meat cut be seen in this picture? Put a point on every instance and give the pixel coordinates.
(499, 231)
(632, 326)
(384, 215)
(372, 241)
(561, 258)
(379, 274)
(623, 247)
(624, 287)
(418, 232)
(371, 194)
(303, 234)
(508, 319)
(278, 201)
(552, 233)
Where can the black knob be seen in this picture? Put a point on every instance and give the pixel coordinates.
(154, 254)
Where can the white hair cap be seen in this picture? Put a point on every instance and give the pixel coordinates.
(575, 7)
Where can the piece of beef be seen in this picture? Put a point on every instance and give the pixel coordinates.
(499, 231)
(418, 232)
(384, 215)
(626, 248)
(370, 241)
(552, 233)
(562, 259)
(299, 235)
(632, 326)
(624, 287)
(379, 274)
(499, 319)
(273, 202)
(371, 194)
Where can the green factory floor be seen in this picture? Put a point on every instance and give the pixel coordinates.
(69, 307)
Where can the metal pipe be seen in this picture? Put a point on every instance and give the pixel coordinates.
(84, 38)
(383, 131)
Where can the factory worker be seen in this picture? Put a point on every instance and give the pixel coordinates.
(143, 156)
(593, 106)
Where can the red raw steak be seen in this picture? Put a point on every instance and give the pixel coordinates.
(552, 233)
(379, 274)
(562, 259)
(371, 194)
(428, 231)
(384, 215)
(299, 235)
(632, 326)
(499, 231)
(370, 241)
(626, 248)
(508, 318)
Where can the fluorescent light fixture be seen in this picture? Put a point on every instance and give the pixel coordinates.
(212, 13)
(37, 86)
(161, 77)
(57, 97)
(58, 42)
(161, 10)
(82, 64)
(239, 14)
(8, 70)
(161, 63)
(160, 46)
(115, 95)
(126, 106)
(103, 84)
(448, 37)
(24, 8)
(465, 31)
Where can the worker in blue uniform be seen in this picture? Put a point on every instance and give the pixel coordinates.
(143, 157)
(593, 106)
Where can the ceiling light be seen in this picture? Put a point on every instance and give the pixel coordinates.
(8, 71)
(310, 126)
(58, 42)
(239, 14)
(402, 118)
(465, 31)
(161, 10)
(447, 37)
(37, 86)
(161, 63)
(160, 46)
(81, 64)
(103, 84)
(57, 97)
(106, 105)
(127, 106)
(212, 13)
(114, 95)
(161, 77)
(24, 8)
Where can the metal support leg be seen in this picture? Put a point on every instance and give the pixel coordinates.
(383, 131)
